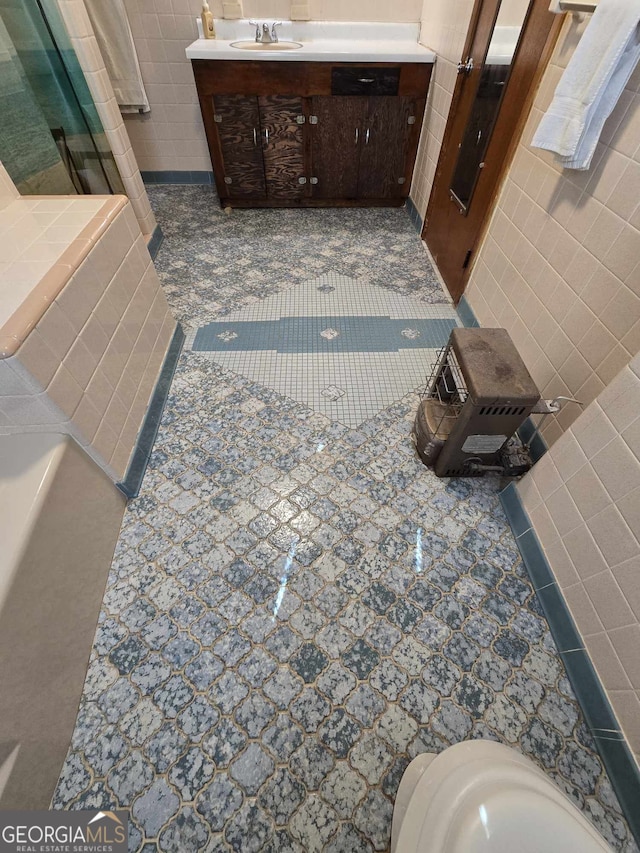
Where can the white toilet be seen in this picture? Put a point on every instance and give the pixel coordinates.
(482, 797)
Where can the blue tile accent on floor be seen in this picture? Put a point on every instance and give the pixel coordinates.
(414, 216)
(304, 334)
(465, 312)
(177, 177)
(601, 720)
(130, 486)
(155, 242)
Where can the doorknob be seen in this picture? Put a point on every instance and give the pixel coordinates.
(466, 67)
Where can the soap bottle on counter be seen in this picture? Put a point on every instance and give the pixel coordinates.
(208, 27)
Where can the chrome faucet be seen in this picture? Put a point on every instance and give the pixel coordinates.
(265, 36)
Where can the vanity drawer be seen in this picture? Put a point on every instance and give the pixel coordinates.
(349, 80)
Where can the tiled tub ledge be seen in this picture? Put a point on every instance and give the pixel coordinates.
(44, 240)
(84, 324)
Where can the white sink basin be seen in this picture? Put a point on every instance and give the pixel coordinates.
(274, 45)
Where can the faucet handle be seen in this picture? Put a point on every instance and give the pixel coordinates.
(257, 26)
(274, 34)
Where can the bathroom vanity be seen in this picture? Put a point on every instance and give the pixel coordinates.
(334, 123)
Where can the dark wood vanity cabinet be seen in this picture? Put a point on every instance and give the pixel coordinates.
(361, 147)
(296, 134)
(261, 142)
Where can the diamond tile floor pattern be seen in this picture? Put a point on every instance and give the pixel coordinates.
(296, 607)
(343, 347)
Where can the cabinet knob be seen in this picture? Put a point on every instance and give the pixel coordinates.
(357, 135)
(366, 136)
(366, 79)
(255, 136)
(313, 180)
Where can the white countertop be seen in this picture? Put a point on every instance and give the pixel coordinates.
(322, 41)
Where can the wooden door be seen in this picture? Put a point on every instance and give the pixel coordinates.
(465, 188)
(385, 147)
(237, 121)
(335, 144)
(283, 146)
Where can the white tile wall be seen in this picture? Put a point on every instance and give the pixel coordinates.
(560, 267)
(171, 137)
(583, 498)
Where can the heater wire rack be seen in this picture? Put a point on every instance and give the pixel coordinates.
(445, 393)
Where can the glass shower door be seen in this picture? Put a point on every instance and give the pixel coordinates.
(51, 138)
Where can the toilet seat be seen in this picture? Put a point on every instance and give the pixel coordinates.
(483, 797)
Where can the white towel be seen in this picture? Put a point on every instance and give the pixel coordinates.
(115, 40)
(592, 82)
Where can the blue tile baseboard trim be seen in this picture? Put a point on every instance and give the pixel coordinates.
(465, 312)
(414, 216)
(155, 242)
(600, 718)
(130, 486)
(538, 445)
(176, 177)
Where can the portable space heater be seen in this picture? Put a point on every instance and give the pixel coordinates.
(479, 393)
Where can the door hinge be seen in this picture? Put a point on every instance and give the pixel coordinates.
(302, 180)
(300, 119)
(217, 118)
(467, 258)
(313, 180)
(313, 119)
(228, 180)
(411, 120)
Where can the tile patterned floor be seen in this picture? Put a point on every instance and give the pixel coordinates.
(343, 347)
(297, 607)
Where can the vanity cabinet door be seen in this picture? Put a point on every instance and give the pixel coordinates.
(335, 147)
(385, 147)
(283, 150)
(237, 122)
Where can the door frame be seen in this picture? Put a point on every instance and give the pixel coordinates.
(538, 38)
